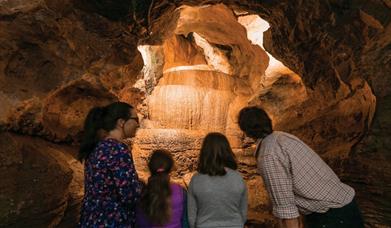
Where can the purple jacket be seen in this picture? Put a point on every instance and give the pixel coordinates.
(177, 208)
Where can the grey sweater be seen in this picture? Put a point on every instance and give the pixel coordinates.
(217, 201)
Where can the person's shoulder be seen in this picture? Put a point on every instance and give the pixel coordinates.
(234, 173)
(113, 149)
(103, 148)
(272, 136)
(286, 137)
(194, 180)
(272, 144)
(280, 136)
(177, 187)
(235, 177)
(269, 141)
(198, 177)
(107, 144)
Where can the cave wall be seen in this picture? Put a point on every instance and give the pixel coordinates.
(41, 182)
(56, 61)
(333, 43)
(85, 49)
(49, 44)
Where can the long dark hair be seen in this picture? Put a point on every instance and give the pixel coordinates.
(155, 198)
(98, 119)
(215, 155)
(255, 122)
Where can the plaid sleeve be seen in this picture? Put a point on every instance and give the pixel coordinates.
(278, 183)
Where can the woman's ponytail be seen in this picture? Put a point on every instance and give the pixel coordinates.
(92, 125)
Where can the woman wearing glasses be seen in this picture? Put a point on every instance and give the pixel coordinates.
(112, 187)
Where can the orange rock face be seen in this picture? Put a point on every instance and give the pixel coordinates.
(65, 109)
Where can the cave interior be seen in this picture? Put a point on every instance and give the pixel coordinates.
(319, 69)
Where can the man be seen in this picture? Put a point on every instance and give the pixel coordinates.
(297, 180)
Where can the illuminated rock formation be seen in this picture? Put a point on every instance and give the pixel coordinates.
(198, 88)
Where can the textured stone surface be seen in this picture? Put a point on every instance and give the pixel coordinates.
(218, 25)
(76, 190)
(49, 44)
(64, 110)
(35, 182)
(330, 125)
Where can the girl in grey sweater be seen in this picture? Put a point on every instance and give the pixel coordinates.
(217, 195)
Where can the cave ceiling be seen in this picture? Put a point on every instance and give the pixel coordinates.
(319, 26)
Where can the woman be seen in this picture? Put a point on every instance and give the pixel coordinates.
(217, 195)
(111, 183)
(163, 203)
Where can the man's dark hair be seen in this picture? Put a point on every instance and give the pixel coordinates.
(215, 155)
(255, 122)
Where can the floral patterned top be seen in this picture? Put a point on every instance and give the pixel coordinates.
(112, 187)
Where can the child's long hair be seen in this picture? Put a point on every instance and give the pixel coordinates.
(155, 198)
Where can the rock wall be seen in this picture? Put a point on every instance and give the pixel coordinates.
(39, 182)
(49, 44)
(56, 61)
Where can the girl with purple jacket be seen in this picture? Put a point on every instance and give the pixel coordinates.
(163, 203)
